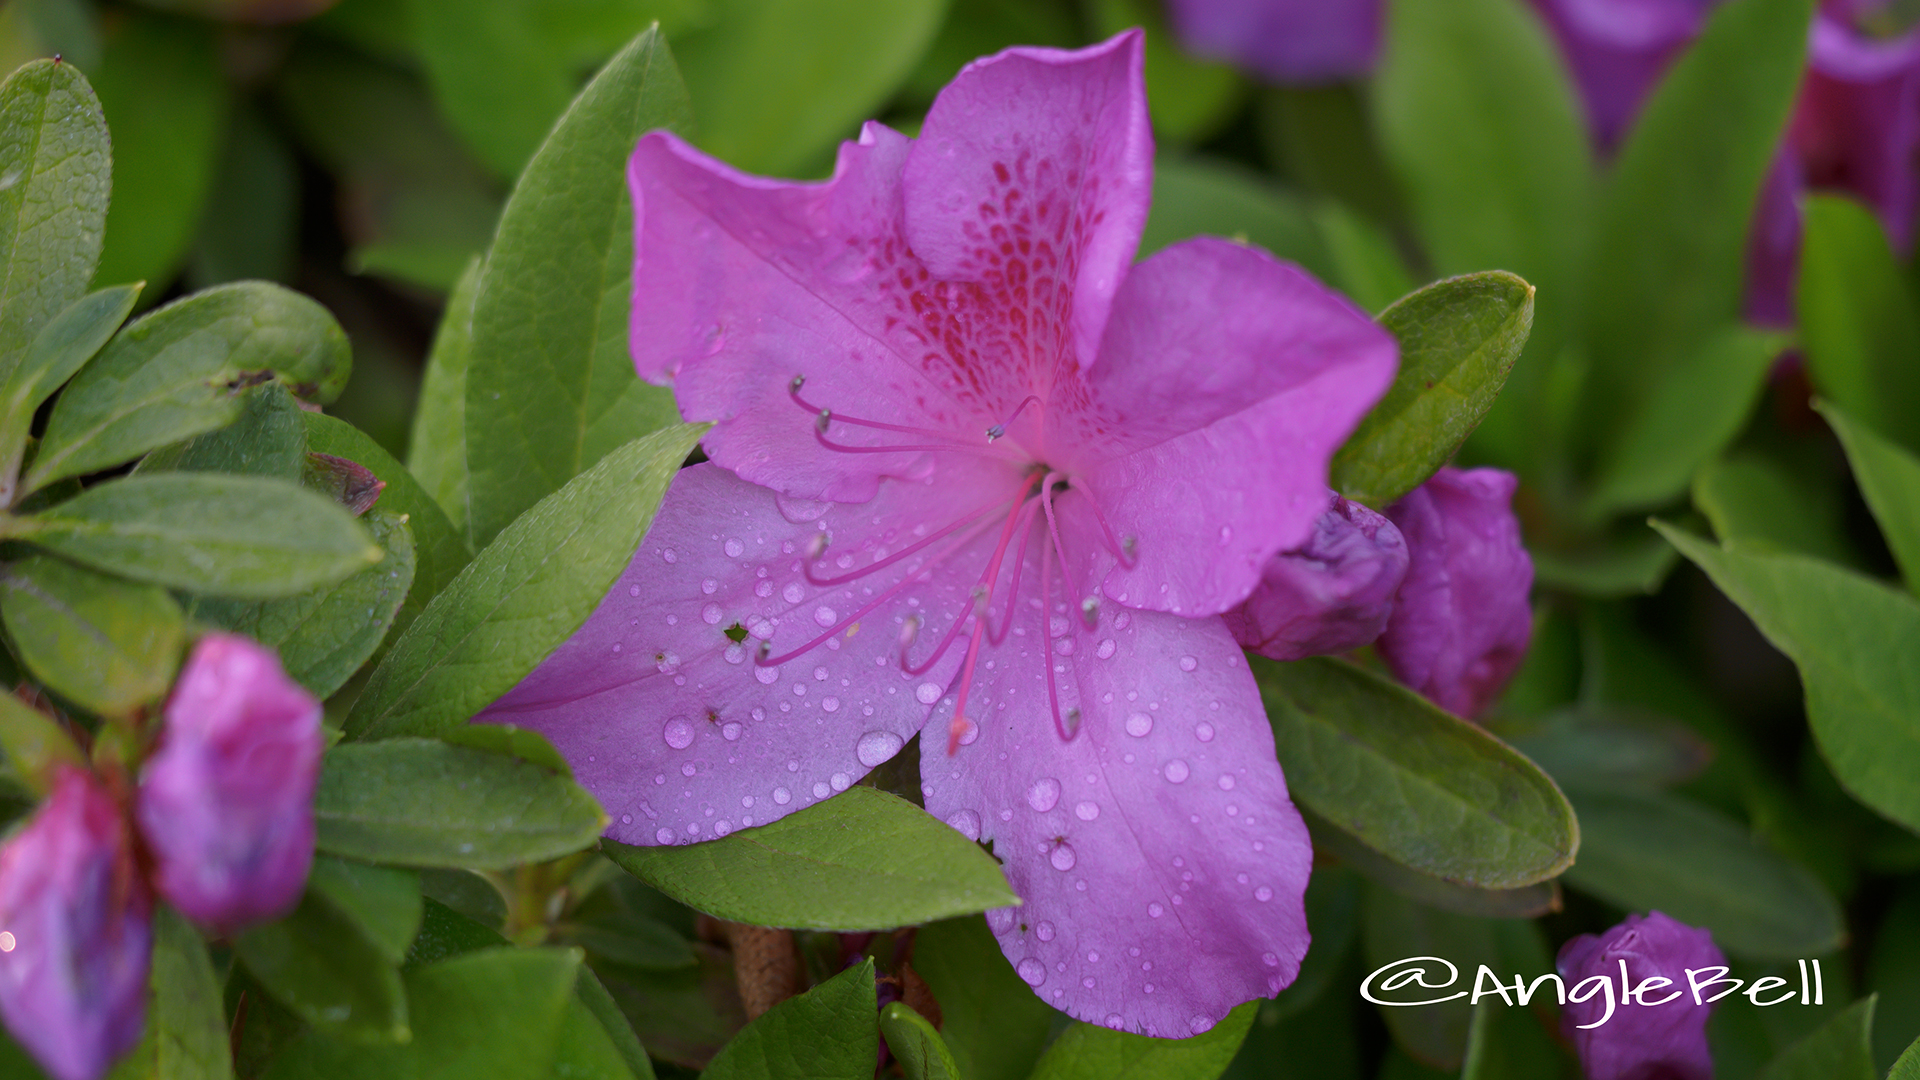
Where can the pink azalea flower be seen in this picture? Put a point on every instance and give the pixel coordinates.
(971, 467)
(1640, 1040)
(1329, 595)
(1460, 624)
(1286, 41)
(226, 801)
(77, 936)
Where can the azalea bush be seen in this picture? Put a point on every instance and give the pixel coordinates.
(959, 538)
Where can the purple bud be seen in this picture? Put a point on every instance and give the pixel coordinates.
(1329, 595)
(75, 932)
(1639, 1039)
(1460, 623)
(226, 802)
(1618, 51)
(1286, 41)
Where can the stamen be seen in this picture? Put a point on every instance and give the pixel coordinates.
(1000, 429)
(1061, 726)
(1123, 549)
(806, 567)
(824, 416)
(980, 596)
(1024, 528)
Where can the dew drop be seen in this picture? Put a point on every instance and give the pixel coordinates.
(626, 819)
(1105, 649)
(1176, 771)
(1155, 910)
(709, 586)
(841, 781)
(793, 592)
(734, 654)
(763, 589)
(1263, 894)
(669, 556)
(688, 769)
(1188, 663)
(830, 704)
(767, 676)
(746, 802)
(710, 614)
(634, 590)
(875, 747)
(969, 731)
(1200, 1025)
(1087, 811)
(730, 731)
(663, 836)
(1063, 646)
(821, 791)
(1044, 931)
(1270, 959)
(1044, 793)
(1116, 1021)
(1062, 858)
(722, 828)
(967, 822)
(782, 796)
(825, 616)
(927, 693)
(1203, 731)
(1033, 971)
(1087, 982)
(1139, 724)
(1226, 782)
(678, 733)
(733, 548)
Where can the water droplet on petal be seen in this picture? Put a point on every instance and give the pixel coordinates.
(721, 828)
(763, 589)
(663, 836)
(1139, 724)
(1044, 931)
(830, 704)
(1203, 731)
(733, 548)
(1105, 649)
(1226, 782)
(927, 693)
(633, 590)
(1062, 858)
(793, 592)
(730, 731)
(669, 556)
(688, 769)
(967, 822)
(1155, 910)
(710, 614)
(875, 747)
(782, 796)
(1087, 811)
(1087, 982)
(626, 819)
(1188, 663)
(1033, 971)
(767, 676)
(1263, 894)
(821, 791)
(678, 733)
(841, 781)
(1044, 793)
(1200, 1025)
(1176, 771)
(825, 615)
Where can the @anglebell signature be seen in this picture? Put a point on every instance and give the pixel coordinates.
(1418, 974)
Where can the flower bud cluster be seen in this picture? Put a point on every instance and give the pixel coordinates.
(219, 825)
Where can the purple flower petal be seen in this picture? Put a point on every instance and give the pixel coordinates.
(1160, 865)
(226, 802)
(1287, 41)
(78, 937)
(1856, 126)
(1461, 623)
(1619, 50)
(1640, 1040)
(1330, 595)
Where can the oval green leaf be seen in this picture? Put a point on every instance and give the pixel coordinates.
(104, 643)
(1090, 1052)
(827, 1033)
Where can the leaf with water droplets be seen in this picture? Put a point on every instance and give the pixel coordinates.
(862, 860)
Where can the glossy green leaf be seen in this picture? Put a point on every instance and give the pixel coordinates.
(420, 802)
(169, 375)
(827, 1033)
(437, 450)
(522, 596)
(268, 439)
(1671, 235)
(1855, 641)
(161, 84)
(991, 1020)
(35, 745)
(1526, 902)
(1908, 1066)
(61, 348)
(861, 860)
(1643, 850)
(493, 75)
(1889, 479)
(592, 998)
(239, 536)
(189, 1022)
(495, 1013)
(1840, 1050)
(1416, 784)
(1200, 196)
(1493, 156)
(101, 642)
(550, 386)
(53, 142)
(1859, 318)
(1458, 340)
(1690, 410)
(325, 634)
(776, 82)
(916, 1045)
(1090, 1052)
(512, 740)
(383, 902)
(1766, 502)
(318, 963)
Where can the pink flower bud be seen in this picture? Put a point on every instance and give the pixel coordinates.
(1461, 623)
(1330, 594)
(75, 932)
(226, 802)
(1660, 1031)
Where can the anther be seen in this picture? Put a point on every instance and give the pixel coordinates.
(761, 652)
(817, 546)
(1073, 722)
(1090, 611)
(798, 382)
(996, 431)
(820, 422)
(1130, 545)
(909, 631)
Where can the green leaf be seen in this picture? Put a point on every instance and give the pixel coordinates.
(440, 549)
(827, 1033)
(1855, 642)
(382, 902)
(61, 348)
(916, 1045)
(256, 185)
(550, 386)
(991, 1019)
(161, 84)
(189, 1038)
(1202, 196)
(240, 536)
(493, 75)
(1859, 325)
(1089, 1052)
(522, 596)
(445, 932)
(35, 745)
(512, 740)
(268, 439)
(1422, 787)
(862, 860)
(1525, 902)
(591, 995)
(1908, 1067)
(419, 802)
(1691, 410)
(1889, 479)
(1506, 1043)
(169, 376)
(318, 963)
(1602, 746)
(1765, 503)
(1643, 850)
(103, 643)
(1670, 240)
(1493, 156)
(627, 937)
(1458, 340)
(496, 1013)
(53, 213)
(776, 82)
(325, 634)
(437, 450)
(1615, 564)
(1365, 264)
(1841, 1050)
